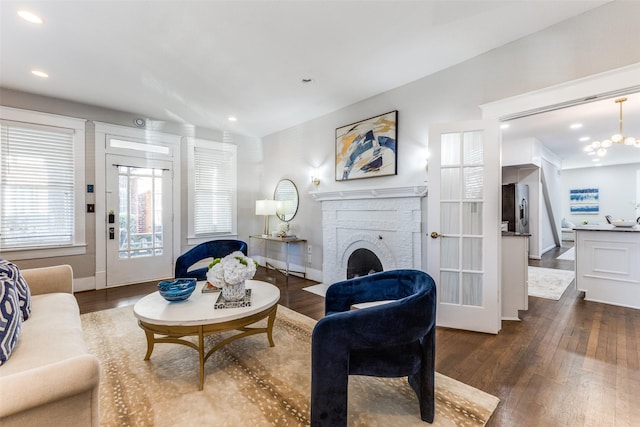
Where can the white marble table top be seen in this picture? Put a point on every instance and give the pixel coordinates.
(198, 309)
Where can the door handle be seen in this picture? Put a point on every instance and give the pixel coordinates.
(435, 235)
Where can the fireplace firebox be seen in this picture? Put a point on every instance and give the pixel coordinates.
(362, 262)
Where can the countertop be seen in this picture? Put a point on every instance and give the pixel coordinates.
(605, 227)
(513, 233)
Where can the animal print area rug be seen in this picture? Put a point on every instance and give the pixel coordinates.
(249, 383)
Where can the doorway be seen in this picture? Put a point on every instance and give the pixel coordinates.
(139, 203)
(138, 209)
(557, 161)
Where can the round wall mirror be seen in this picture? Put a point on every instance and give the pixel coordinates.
(286, 195)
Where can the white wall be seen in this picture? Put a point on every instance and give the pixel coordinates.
(617, 191)
(546, 58)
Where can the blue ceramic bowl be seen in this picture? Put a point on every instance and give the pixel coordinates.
(177, 290)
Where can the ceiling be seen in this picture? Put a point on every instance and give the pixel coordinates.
(199, 62)
(599, 120)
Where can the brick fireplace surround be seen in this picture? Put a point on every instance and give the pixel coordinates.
(386, 221)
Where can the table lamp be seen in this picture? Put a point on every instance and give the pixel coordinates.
(266, 208)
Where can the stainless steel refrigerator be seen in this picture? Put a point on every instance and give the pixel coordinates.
(515, 207)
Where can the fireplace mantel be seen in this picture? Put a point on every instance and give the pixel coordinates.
(370, 193)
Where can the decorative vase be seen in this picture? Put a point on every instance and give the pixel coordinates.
(235, 292)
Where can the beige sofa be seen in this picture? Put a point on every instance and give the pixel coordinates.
(50, 378)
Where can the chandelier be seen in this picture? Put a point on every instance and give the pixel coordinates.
(600, 147)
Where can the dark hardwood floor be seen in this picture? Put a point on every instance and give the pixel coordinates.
(566, 363)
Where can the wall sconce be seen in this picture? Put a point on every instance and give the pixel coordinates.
(266, 208)
(314, 177)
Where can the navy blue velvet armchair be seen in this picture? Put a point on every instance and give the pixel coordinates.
(211, 249)
(396, 339)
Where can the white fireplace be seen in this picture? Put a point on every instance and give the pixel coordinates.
(386, 221)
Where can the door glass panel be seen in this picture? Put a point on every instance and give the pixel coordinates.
(450, 218)
(450, 252)
(473, 183)
(471, 254)
(449, 290)
(450, 184)
(140, 213)
(123, 235)
(450, 149)
(157, 213)
(472, 218)
(473, 152)
(472, 289)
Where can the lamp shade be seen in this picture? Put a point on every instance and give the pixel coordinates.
(266, 207)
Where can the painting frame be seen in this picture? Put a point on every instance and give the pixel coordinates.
(367, 148)
(584, 201)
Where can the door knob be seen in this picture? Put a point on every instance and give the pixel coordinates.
(435, 235)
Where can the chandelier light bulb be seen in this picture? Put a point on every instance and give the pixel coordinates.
(629, 140)
(637, 143)
(606, 143)
(595, 144)
(602, 152)
(616, 138)
(588, 148)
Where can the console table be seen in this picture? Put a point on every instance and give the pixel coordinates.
(288, 242)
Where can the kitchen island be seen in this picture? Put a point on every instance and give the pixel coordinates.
(608, 264)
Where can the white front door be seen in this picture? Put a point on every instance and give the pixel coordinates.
(464, 224)
(139, 214)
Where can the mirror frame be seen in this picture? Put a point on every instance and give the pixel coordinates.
(279, 197)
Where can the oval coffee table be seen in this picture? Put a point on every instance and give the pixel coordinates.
(170, 322)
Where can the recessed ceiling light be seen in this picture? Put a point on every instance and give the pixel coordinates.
(585, 138)
(504, 126)
(595, 160)
(576, 126)
(591, 153)
(39, 73)
(30, 17)
(232, 119)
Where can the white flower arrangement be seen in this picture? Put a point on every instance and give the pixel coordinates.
(232, 269)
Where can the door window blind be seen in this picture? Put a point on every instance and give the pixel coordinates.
(37, 186)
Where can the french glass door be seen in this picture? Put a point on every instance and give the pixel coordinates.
(463, 220)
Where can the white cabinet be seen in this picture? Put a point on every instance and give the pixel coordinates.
(608, 264)
(515, 275)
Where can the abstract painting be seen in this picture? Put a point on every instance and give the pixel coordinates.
(584, 201)
(367, 148)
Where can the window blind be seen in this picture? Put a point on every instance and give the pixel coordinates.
(215, 186)
(37, 186)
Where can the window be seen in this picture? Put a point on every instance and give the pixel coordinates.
(212, 189)
(41, 182)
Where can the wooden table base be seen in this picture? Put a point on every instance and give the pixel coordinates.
(175, 333)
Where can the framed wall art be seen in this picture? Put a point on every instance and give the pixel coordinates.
(368, 148)
(584, 201)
